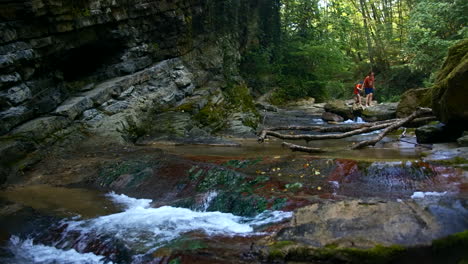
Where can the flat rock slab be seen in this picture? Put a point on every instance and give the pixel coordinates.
(368, 223)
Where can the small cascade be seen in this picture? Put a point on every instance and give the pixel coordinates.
(25, 251)
(210, 196)
(137, 231)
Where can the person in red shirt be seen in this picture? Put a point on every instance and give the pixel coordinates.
(369, 88)
(357, 90)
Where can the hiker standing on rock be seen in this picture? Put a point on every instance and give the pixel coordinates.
(357, 93)
(369, 87)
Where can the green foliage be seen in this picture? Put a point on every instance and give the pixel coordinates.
(433, 28)
(396, 80)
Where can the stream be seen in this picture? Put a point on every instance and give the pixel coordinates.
(165, 203)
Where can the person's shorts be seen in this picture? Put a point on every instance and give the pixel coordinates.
(369, 90)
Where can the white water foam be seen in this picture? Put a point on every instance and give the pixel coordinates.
(359, 120)
(421, 195)
(140, 228)
(210, 196)
(153, 227)
(318, 121)
(26, 252)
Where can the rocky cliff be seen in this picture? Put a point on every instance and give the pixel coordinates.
(109, 67)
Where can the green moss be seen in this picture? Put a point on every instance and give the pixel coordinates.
(187, 107)
(213, 116)
(453, 162)
(239, 96)
(378, 254)
(458, 240)
(451, 249)
(279, 249)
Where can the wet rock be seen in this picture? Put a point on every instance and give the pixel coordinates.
(330, 117)
(340, 108)
(372, 222)
(450, 93)
(411, 100)
(383, 111)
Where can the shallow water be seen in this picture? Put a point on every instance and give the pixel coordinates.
(250, 148)
(61, 201)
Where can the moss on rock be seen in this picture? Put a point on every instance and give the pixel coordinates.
(450, 91)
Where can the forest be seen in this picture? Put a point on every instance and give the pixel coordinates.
(226, 131)
(324, 47)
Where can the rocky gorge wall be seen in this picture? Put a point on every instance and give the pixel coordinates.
(108, 68)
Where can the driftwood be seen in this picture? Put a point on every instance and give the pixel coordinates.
(294, 147)
(388, 126)
(393, 126)
(321, 129)
(265, 133)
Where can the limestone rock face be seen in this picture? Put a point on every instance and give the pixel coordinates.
(450, 92)
(106, 67)
(367, 223)
(411, 100)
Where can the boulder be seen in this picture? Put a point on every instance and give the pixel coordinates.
(383, 111)
(411, 100)
(331, 117)
(450, 91)
(432, 133)
(437, 133)
(340, 108)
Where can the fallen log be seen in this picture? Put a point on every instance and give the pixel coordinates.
(393, 126)
(307, 138)
(294, 147)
